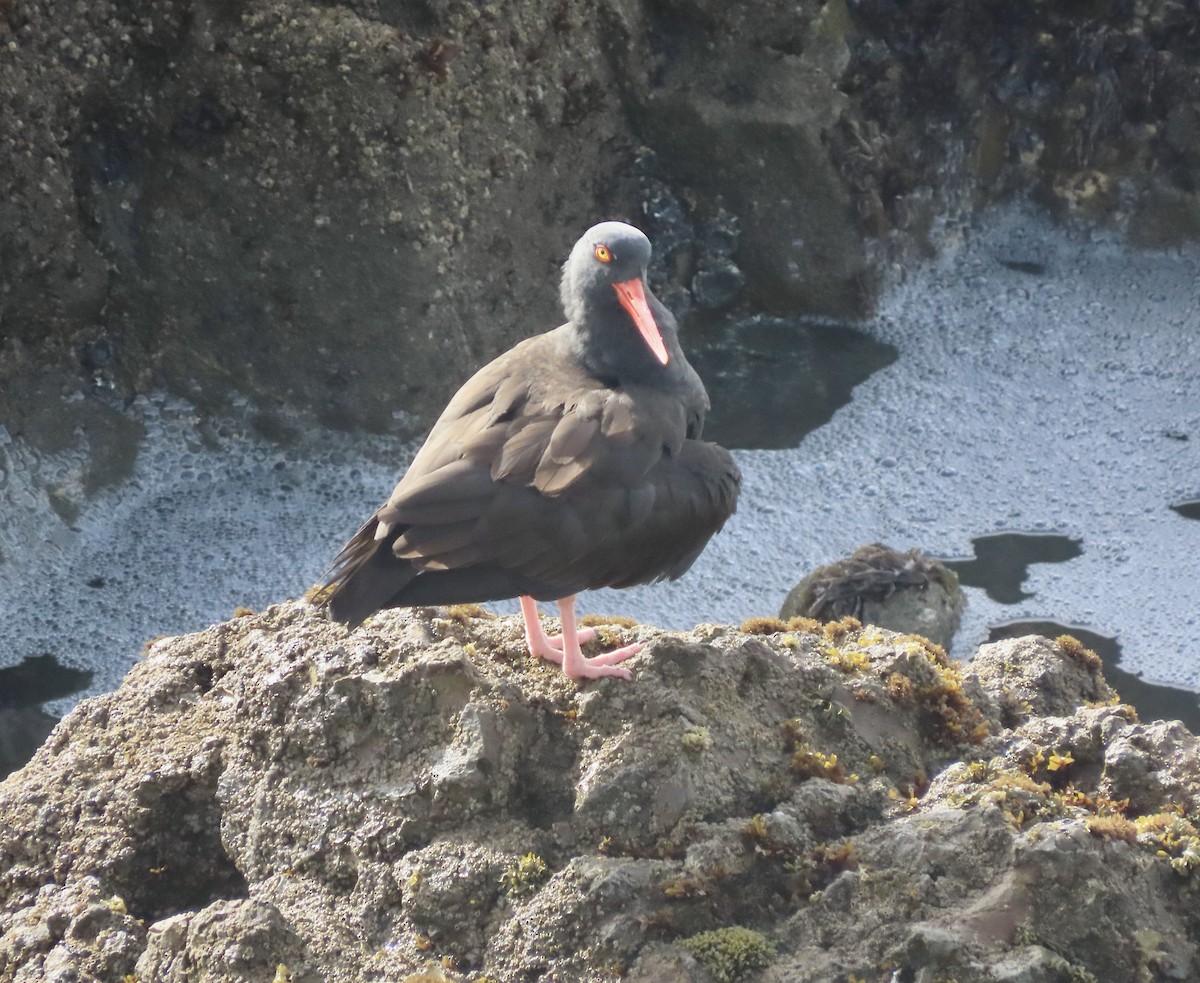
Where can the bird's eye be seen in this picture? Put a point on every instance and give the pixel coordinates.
(603, 254)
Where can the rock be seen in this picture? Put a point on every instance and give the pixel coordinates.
(800, 246)
(68, 932)
(334, 248)
(296, 240)
(1035, 676)
(225, 942)
(717, 283)
(905, 592)
(276, 798)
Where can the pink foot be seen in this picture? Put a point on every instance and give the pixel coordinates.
(563, 650)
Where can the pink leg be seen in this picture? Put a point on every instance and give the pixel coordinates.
(565, 650)
(540, 644)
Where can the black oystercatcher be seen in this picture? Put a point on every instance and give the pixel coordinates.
(570, 462)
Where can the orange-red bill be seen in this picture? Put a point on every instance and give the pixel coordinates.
(633, 299)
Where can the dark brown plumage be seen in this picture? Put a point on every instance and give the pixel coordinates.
(571, 462)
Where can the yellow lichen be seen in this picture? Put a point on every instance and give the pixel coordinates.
(793, 732)
(464, 613)
(1031, 764)
(847, 660)
(1112, 828)
(904, 801)
(1058, 761)
(944, 703)
(693, 884)
(756, 827)
(319, 594)
(835, 631)
(1175, 838)
(899, 687)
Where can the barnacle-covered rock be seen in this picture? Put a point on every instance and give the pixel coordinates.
(788, 801)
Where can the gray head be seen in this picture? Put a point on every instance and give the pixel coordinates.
(604, 290)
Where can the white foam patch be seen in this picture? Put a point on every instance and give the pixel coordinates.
(209, 521)
(1019, 402)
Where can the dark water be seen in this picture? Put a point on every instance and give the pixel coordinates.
(1002, 562)
(772, 381)
(23, 688)
(1000, 566)
(1189, 510)
(1153, 701)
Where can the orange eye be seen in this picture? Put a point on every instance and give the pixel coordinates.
(603, 254)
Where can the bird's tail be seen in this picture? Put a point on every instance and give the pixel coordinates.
(364, 577)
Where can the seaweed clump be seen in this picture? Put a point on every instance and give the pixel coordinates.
(871, 574)
(730, 953)
(524, 876)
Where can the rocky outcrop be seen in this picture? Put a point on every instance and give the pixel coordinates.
(325, 205)
(419, 800)
(907, 592)
(320, 205)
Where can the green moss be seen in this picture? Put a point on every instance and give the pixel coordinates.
(807, 762)
(730, 953)
(696, 739)
(1174, 837)
(524, 876)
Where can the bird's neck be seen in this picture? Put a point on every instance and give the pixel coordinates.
(623, 359)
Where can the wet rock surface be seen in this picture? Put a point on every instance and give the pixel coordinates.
(786, 801)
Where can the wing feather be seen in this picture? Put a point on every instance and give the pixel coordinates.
(602, 489)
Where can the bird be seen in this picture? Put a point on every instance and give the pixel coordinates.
(572, 461)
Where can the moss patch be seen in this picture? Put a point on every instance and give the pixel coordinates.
(730, 953)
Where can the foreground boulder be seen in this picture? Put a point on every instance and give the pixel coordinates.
(274, 798)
